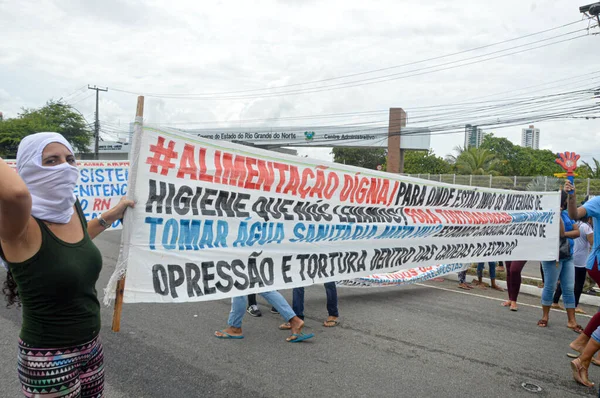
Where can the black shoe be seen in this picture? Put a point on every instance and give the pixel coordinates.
(274, 311)
(254, 311)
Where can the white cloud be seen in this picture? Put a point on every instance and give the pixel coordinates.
(51, 47)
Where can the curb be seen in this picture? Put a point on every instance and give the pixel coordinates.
(530, 290)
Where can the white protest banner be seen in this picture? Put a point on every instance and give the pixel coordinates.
(216, 220)
(102, 183)
(406, 277)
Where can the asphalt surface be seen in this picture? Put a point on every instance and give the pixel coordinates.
(430, 340)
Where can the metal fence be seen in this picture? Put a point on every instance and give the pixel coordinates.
(584, 186)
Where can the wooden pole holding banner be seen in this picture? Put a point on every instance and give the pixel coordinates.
(116, 323)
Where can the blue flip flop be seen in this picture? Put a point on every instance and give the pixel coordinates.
(301, 337)
(228, 336)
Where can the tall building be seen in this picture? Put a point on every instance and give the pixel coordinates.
(530, 137)
(473, 136)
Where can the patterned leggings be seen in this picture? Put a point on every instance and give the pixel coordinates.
(71, 372)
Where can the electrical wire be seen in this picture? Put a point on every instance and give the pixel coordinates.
(366, 72)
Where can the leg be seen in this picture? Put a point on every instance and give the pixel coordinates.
(567, 278)
(557, 295)
(581, 365)
(492, 266)
(92, 372)
(580, 274)
(332, 299)
(332, 305)
(251, 299)
(579, 343)
(298, 301)
(551, 272)
(594, 273)
(236, 316)
(33, 378)
(501, 267)
(514, 281)
(508, 285)
(480, 267)
(542, 273)
(462, 280)
(295, 324)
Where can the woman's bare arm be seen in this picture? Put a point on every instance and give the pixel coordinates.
(15, 204)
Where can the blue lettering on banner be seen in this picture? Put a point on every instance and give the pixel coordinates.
(101, 175)
(187, 234)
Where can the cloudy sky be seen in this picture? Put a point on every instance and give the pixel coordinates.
(192, 53)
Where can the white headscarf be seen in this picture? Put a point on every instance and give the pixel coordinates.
(51, 187)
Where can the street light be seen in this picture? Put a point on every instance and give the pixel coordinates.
(592, 10)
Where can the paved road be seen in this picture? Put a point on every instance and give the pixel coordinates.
(420, 341)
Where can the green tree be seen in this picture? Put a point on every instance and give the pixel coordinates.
(368, 158)
(516, 160)
(476, 161)
(424, 162)
(587, 171)
(54, 116)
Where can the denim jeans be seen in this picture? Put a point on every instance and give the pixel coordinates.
(238, 307)
(332, 302)
(481, 266)
(565, 272)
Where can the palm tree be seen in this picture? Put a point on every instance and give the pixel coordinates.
(476, 161)
(593, 172)
(451, 159)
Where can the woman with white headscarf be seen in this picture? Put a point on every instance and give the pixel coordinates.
(53, 267)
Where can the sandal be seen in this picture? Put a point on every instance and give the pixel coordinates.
(331, 323)
(580, 374)
(285, 326)
(576, 328)
(506, 303)
(542, 323)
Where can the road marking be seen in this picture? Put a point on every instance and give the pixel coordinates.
(491, 298)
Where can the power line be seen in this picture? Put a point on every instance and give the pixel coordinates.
(361, 73)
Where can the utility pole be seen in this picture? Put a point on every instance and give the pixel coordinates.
(97, 124)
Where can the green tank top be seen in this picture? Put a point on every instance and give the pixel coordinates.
(57, 287)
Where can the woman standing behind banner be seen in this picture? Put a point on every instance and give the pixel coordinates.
(562, 270)
(53, 268)
(581, 251)
(513, 282)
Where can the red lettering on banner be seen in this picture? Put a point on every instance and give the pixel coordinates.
(266, 175)
(203, 174)
(252, 173)
(333, 182)
(218, 167)
(101, 204)
(227, 167)
(292, 185)
(187, 164)
(422, 216)
(303, 189)
(281, 168)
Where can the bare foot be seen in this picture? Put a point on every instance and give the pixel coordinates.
(231, 331)
(496, 287)
(577, 346)
(296, 325)
(579, 311)
(557, 306)
(506, 303)
(580, 373)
